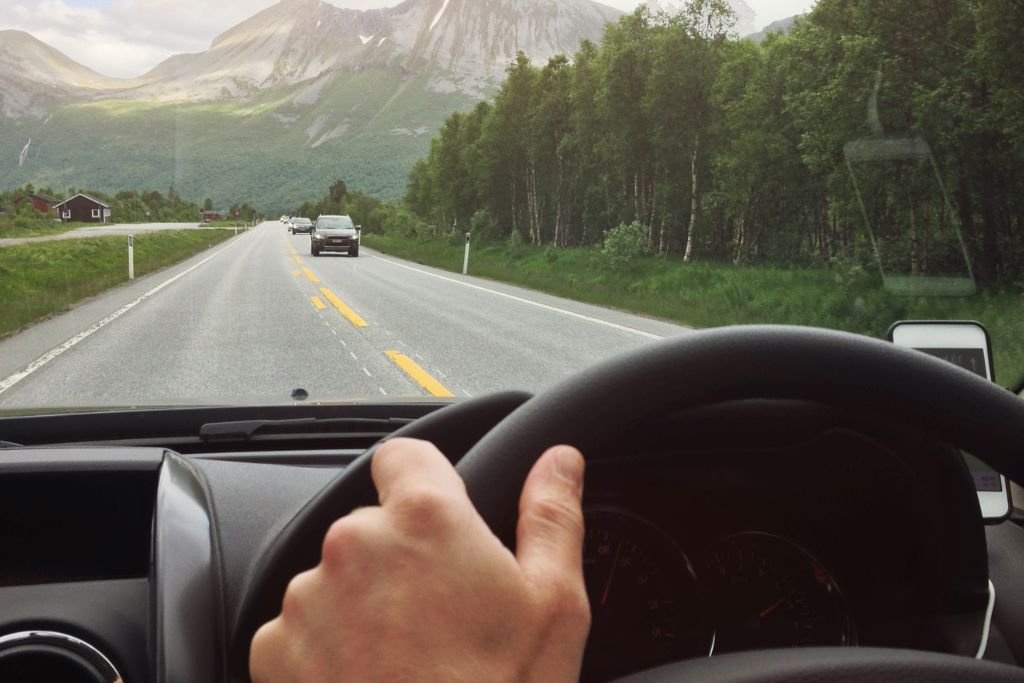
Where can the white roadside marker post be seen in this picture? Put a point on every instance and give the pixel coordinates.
(131, 257)
(465, 260)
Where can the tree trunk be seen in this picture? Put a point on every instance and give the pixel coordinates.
(915, 264)
(694, 188)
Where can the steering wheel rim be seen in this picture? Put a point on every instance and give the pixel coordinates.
(833, 664)
(738, 363)
(712, 366)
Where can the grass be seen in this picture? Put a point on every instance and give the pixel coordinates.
(714, 294)
(36, 228)
(237, 222)
(40, 279)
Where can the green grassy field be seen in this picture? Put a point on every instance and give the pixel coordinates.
(711, 294)
(40, 279)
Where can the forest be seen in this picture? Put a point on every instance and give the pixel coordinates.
(887, 135)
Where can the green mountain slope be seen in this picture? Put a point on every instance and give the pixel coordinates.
(275, 152)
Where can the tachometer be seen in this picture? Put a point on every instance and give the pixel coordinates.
(643, 595)
(769, 593)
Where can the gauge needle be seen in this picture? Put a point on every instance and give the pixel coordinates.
(611, 574)
(776, 605)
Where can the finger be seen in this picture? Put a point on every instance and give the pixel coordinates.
(550, 532)
(267, 654)
(409, 465)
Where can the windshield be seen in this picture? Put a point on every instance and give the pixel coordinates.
(335, 224)
(536, 191)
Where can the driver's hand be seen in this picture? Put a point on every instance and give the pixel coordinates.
(419, 589)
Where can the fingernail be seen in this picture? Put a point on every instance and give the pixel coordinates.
(569, 466)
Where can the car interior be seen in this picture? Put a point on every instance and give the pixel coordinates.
(780, 503)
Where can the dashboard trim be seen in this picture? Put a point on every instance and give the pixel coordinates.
(65, 642)
(186, 583)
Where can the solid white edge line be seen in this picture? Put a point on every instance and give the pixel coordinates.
(988, 620)
(96, 327)
(546, 307)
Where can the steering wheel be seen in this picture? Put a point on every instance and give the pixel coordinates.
(703, 368)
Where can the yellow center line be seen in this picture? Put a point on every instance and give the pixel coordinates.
(418, 374)
(312, 278)
(298, 260)
(349, 314)
(318, 302)
(296, 273)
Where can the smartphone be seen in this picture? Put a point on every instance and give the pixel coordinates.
(967, 345)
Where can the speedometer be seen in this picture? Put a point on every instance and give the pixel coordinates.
(770, 592)
(644, 600)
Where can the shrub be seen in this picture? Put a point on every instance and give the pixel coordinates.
(515, 241)
(483, 226)
(625, 244)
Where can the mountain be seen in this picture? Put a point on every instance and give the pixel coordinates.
(281, 104)
(468, 43)
(781, 26)
(34, 76)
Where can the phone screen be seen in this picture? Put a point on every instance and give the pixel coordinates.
(968, 359)
(965, 345)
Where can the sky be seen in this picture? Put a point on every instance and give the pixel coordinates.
(126, 38)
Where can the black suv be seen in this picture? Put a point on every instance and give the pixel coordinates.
(334, 233)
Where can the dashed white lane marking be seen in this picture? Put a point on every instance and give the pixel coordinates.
(367, 372)
(353, 356)
(513, 297)
(382, 391)
(82, 336)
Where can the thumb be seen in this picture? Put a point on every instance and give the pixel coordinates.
(549, 538)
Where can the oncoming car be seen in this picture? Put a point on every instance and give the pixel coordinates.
(300, 226)
(334, 234)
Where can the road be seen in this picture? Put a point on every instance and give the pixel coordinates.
(258, 317)
(103, 231)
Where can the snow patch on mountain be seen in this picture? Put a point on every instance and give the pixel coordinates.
(24, 152)
(337, 132)
(438, 16)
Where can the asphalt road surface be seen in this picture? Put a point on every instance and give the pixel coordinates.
(257, 317)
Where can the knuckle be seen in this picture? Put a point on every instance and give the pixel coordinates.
(298, 591)
(345, 536)
(424, 509)
(567, 604)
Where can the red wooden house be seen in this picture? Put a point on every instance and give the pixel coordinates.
(84, 209)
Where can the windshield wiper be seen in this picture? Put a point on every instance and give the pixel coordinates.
(247, 429)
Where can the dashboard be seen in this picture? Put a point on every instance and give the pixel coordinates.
(825, 537)
(733, 528)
